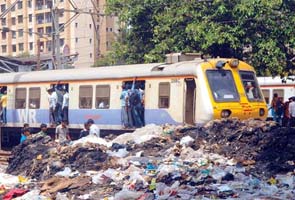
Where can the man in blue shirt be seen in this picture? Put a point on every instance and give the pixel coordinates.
(124, 107)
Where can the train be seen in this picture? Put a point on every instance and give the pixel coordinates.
(177, 92)
(284, 87)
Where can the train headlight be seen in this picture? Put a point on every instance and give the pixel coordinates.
(261, 112)
(225, 113)
(220, 64)
(234, 63)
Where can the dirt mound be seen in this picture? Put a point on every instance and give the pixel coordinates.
(41, 158)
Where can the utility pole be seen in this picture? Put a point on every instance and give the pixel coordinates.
(56, 38)
(38, 67)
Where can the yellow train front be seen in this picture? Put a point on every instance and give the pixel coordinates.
(228, 88)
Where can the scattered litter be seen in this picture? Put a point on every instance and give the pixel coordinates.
(224, 159)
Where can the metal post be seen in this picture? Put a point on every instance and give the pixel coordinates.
(55, 38)
(38, 54)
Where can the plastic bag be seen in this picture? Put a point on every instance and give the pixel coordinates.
(65, 173)
(128, 195)
(187, 140)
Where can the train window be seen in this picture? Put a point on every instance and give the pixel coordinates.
(85, 96)
(280, 93)
(20, 98)
(250, 85)
(34, 98)
(164, 95)
(102, 97)
(222, 85)
(266, 95)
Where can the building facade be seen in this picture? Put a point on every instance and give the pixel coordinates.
(29, 25)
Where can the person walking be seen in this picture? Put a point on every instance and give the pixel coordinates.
(292, 111)
(274, 106)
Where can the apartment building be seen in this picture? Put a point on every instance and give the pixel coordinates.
(89, 35)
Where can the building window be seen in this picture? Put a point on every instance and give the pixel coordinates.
(3, 21)
(102, 97)
(4, 48)
(14, 48)
(13, 34)
(3, 7)
(90, 40)
(40, 30)
(21, 46)
(31, 45)
(20, 32)
(77, 40)
(3, 35)
(90, 26)
(30, 17)
(34, 98)
(62, 42)
(49, 45)
(90, 55)
(20, 98)
(30, 32)
(85, 96)
(107, 29)
(13, 20)
(20, 19)
(111, 29)
(30, 4)
(48, 30)
(164, 95)
(13, 9)
(20, 5)
(76, 25)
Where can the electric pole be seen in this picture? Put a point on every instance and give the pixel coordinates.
(56, 38)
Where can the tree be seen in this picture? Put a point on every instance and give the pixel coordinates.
(260, 32)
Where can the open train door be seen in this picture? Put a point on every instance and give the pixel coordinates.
(190, 96)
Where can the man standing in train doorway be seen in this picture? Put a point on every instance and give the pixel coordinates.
(65, 105)
(124, 107)
(52, 99)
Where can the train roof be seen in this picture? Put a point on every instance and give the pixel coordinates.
(112, 72)
(186, 68)
(275, 81)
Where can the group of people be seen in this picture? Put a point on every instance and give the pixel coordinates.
(3, 105)
(58, 98)
(283, 112)
(62, 134)
(132, 105)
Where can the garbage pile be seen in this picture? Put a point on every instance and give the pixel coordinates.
(225, 159)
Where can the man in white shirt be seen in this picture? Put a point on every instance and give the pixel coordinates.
(62, 133)
(292, 111)
(52, 99)
(65, 105)
(93, 129)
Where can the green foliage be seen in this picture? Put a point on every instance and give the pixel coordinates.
(260, 32)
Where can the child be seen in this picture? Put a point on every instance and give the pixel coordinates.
(25, 134)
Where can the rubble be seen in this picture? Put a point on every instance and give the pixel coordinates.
(224, 159)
